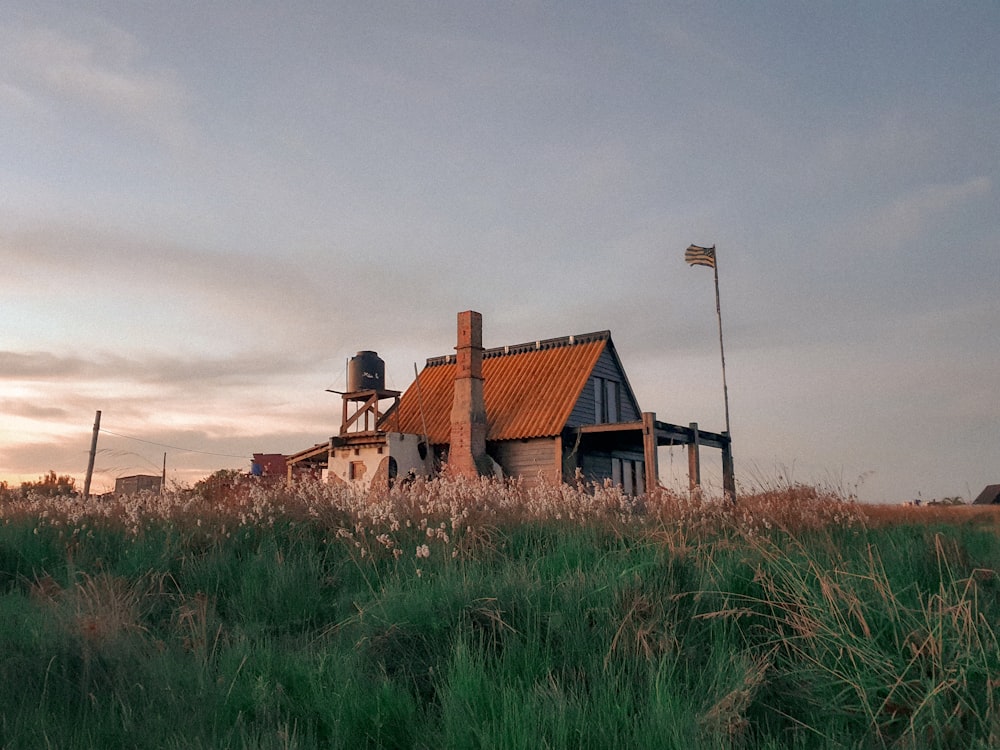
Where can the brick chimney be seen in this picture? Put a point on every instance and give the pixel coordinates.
(468, 412)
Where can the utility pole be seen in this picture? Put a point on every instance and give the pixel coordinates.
(93, 454)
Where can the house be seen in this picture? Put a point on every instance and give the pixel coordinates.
(547, 410)
(138, 483)
(989, 496)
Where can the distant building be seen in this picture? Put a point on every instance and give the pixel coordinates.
(269, 465)
(989, 496)
(138, 483)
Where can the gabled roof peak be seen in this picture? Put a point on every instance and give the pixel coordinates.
(529, 346)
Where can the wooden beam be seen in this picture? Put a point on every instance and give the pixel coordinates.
(666, 433)
(652, 473)
(371, 405)
(712, 439)
(672, 434)
(611, 427)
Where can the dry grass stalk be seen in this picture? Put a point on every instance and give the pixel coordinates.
(727, 716)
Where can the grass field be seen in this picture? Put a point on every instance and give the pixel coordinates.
(459, 614)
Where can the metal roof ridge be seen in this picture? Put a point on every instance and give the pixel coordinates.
(528, 346)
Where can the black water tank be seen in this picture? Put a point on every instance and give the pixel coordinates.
(366, 372)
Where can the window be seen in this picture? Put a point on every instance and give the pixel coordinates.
(629, 475)
(612, 401)
(607, 401)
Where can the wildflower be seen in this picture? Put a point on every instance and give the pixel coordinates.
(423, 551)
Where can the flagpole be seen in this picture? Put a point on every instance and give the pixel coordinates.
(722, 349)
(706, 256)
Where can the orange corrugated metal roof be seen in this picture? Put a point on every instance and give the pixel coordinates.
(529, 390)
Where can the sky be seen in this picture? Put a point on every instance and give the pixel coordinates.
(207, 208)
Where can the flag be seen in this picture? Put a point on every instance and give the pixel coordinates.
(700, 256)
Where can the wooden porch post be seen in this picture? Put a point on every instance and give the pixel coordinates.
(651, 459)
(694, 460)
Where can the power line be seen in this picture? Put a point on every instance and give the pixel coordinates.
(172, 447)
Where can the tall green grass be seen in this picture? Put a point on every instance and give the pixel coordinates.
(485, 616)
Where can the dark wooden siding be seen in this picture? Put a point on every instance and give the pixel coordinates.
(585, 410)
(596, 465)
(527, 458)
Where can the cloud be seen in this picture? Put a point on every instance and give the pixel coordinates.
(170, 291)
(16, 98)
(850, 146)
(104, 74)
(904, 219)
(152, 369)
(38, 365)
(17, 408)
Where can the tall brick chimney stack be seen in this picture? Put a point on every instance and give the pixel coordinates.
(468, 411)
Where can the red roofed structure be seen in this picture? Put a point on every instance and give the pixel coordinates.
(270, 465)
(548, 410)
(555, 409)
